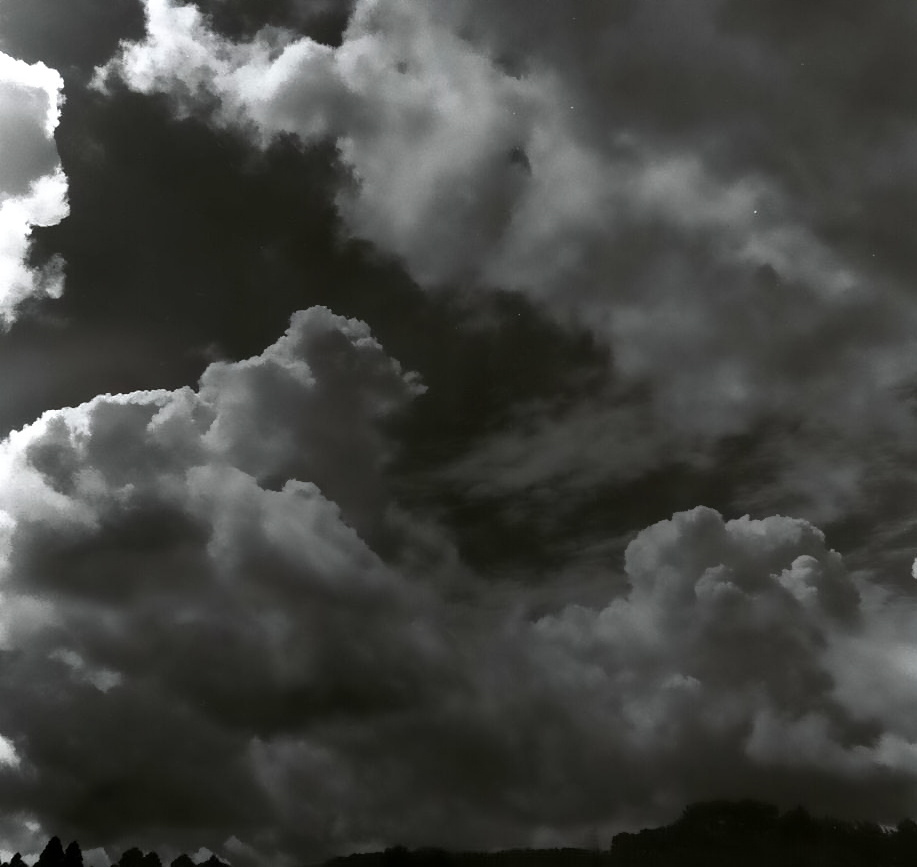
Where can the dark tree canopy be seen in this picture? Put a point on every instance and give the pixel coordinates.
(133, 857)
(707, 834)
(711, 834)
(52, 855)
(73, 856)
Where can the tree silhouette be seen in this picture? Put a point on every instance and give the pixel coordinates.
(710, 834)
(396, 856)
(52, 855)
(133, 857)
(73, 856)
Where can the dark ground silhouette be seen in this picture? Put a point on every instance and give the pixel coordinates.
(54, 855)
(707, 834)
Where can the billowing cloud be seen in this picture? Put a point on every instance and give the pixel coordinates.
(33, 188)
(184, 577)
(221, 621)
(218, 627)
(728, 662)
(482, 153)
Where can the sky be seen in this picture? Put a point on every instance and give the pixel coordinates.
(470, 423)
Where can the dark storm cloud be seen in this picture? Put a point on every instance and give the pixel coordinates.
(322, 20)
(200, 647)
(809, 111)
(221, 615)
(726, 299)
(72, 37)
(184, 245)
(159, 587)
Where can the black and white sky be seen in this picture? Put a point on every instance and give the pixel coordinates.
(473, 423)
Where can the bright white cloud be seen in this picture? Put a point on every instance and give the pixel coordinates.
(33, 188)
(8, 754)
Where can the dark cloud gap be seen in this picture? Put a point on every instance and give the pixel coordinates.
(553, 523)
(72, 37)
(171, 217)
(178, 216)
(875, 537)
(504, 356)
(322, 20)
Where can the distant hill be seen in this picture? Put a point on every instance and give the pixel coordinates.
(398, 856)
(709, 834)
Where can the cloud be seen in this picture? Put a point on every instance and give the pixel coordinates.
(482, 153)
(33, 188)
(323, 20)
(179, 586)
(73, 38)
(218, 628)
(219, 624)
(374, 95)
(727, 668)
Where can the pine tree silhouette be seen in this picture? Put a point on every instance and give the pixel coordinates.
(182, 861)
(52, 855)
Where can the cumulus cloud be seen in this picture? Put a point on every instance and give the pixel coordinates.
(33, 188)
(481, 152)
(417, 144)
(185, 577)
(729, 664)
(218, 628)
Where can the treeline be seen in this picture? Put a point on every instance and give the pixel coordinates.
(711, 834)
(722, 832)
(55, 855)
